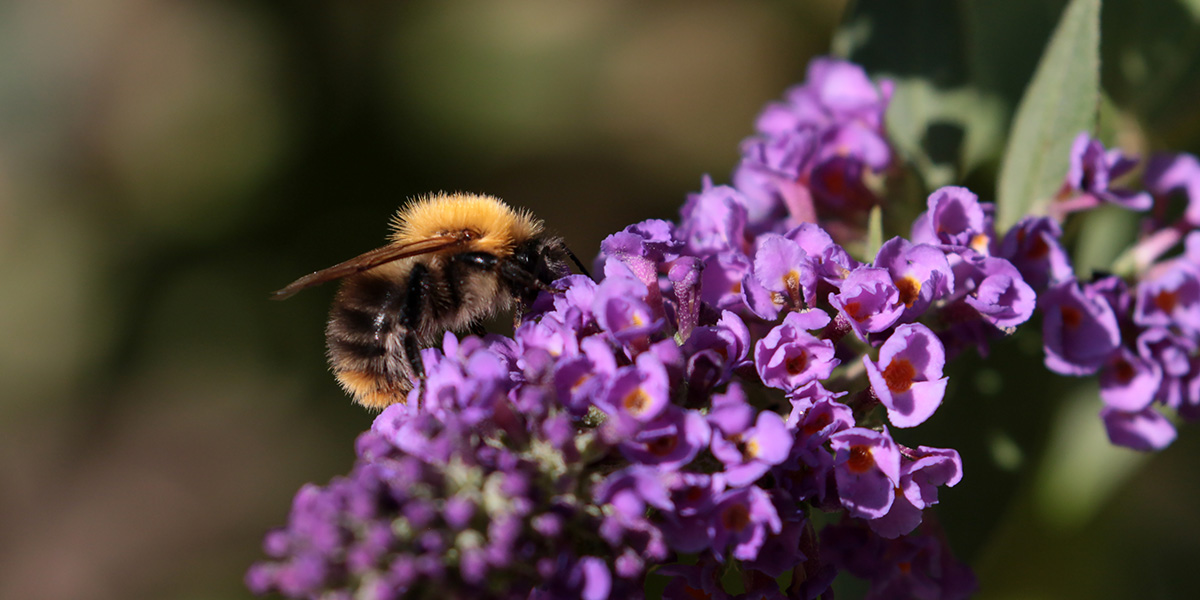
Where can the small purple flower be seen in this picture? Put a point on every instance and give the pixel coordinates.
(621, 308)
(837, 179)
(836, 94)
(714, 352)
(867, 470)
(721, 281)
(743, 517)
(789, 357)
(592, 579)
(641, 247)
(636, 395)
(1129, 382)
(783, 268)
(1079, 329)
(748, 454)
(920, 479)
(954, 218)
(1032, 247)
(830, 261)
(631, 490)
(580, 379)
(1144, 430)
(1167, 349)
(1170, 296)
(913, 566)
(694, 495)
(684, 276)
(1000, 294)
(1092, 171)
(713, 221)
(920, 272)
(868, 301)
(670, 441)
(730, 412)
(907, 378)
(772, 175)
(1170, 173)
(806, 473)
(782, 552)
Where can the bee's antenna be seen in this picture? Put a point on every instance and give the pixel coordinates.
(575, 259)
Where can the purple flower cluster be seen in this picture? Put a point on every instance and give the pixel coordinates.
(473, 492)
(1140, 332)
(735, 371)
(814, 148)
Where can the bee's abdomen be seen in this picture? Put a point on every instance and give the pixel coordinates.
(365, 339)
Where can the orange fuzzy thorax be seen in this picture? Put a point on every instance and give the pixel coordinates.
(496, 227)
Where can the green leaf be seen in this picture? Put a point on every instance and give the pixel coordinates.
(874, 233)
(1060, 102)
(958, 66)
(933, 116)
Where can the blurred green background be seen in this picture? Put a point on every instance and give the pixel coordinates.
(164, 165)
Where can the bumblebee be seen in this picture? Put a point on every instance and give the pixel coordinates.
(453, 261)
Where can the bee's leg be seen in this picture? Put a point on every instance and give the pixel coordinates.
(412, 352)
(519, 315)
(416, 293)
(477, 329)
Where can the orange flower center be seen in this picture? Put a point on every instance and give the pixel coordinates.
(1124, 370)
(855, 310)
(735, 517)
(1038, 249)
(1071, 316)
(1166, 301)
(663, 446)
(796, 364)
(910, 290)
(637, 401)
(899, 375)
(861, 459)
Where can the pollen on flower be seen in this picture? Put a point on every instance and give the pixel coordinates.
(637, 401)
(750, 450)
(910, 289)
(861, 459)
(791, 281)
(979, 242)
(579, 382)
(899, 375)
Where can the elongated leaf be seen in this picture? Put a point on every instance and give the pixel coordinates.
(874, 233)
(1060, 102)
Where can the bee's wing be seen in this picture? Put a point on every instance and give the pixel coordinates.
(367, 260)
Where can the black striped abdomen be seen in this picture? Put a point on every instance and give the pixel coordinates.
(365, 337)
(383, 317)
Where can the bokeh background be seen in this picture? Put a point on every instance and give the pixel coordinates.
(165, 164)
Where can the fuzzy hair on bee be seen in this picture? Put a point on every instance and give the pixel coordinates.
(453, 261)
